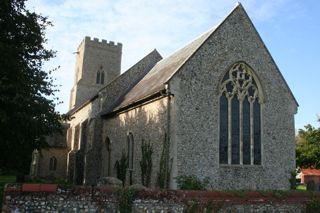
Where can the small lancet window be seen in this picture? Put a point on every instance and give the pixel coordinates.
(130, 150)
(53, 164)
(108, 155)
(102, 77)
(98, 78)
(240, 122)
(130, 156)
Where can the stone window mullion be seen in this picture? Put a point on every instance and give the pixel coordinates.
(229, 130)
(251, 134)
(241, 129)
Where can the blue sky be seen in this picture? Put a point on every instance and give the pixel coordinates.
(289, 28)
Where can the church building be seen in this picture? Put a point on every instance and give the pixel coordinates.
(218, 108)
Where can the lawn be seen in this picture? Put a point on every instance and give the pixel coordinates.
(301, 187)
(3, 181)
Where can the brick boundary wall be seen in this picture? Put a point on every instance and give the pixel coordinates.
(53, 198)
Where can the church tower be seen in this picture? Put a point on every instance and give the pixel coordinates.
(97, 63)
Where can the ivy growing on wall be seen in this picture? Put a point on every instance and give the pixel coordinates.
(146, 163)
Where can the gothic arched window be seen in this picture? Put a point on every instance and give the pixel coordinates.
(53, 164)
(240, 117)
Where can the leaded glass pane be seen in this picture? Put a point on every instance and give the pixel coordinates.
(98, 78)
(102, 78)
(246, 131)
(235, 130)
(257, 134)
(223, 148)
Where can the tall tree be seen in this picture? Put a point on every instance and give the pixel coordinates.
(27, 106)
(308, 147)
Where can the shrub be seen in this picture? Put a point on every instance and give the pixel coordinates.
(313, 206)
(125, 197)
(191, 182)
(146, 163)
(292, 180)
(164, 171)
(121, 167)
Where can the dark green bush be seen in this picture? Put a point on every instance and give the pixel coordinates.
(191, 182)
(121, 167)
(292, 180)
(146, 163)
(125, 197)
(313, 206)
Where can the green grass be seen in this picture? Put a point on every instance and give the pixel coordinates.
(301, 187)
(3, 181)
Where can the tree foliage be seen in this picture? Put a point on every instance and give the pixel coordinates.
(27, 106)
(308, 147)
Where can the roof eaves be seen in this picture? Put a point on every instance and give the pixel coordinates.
(141, 101)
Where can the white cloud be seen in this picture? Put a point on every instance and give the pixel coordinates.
(140, 25)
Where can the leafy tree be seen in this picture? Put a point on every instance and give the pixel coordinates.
(308, 147)
(27, 109)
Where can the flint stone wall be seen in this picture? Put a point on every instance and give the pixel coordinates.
(196, 115)
(50, 198)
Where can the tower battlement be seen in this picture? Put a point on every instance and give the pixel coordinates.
(102, 43)
(97, 63)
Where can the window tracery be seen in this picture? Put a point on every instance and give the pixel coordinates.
(240, 106)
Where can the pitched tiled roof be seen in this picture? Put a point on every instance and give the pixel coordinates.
(156, 79)
(58, 140)
(313, 172)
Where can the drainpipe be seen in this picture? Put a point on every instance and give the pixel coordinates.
(168, 94)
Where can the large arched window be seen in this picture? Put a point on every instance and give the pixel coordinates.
(53, 164)
(240, 117)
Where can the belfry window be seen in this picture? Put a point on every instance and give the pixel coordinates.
(240, 122)
(53, 164)
(100, 77)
